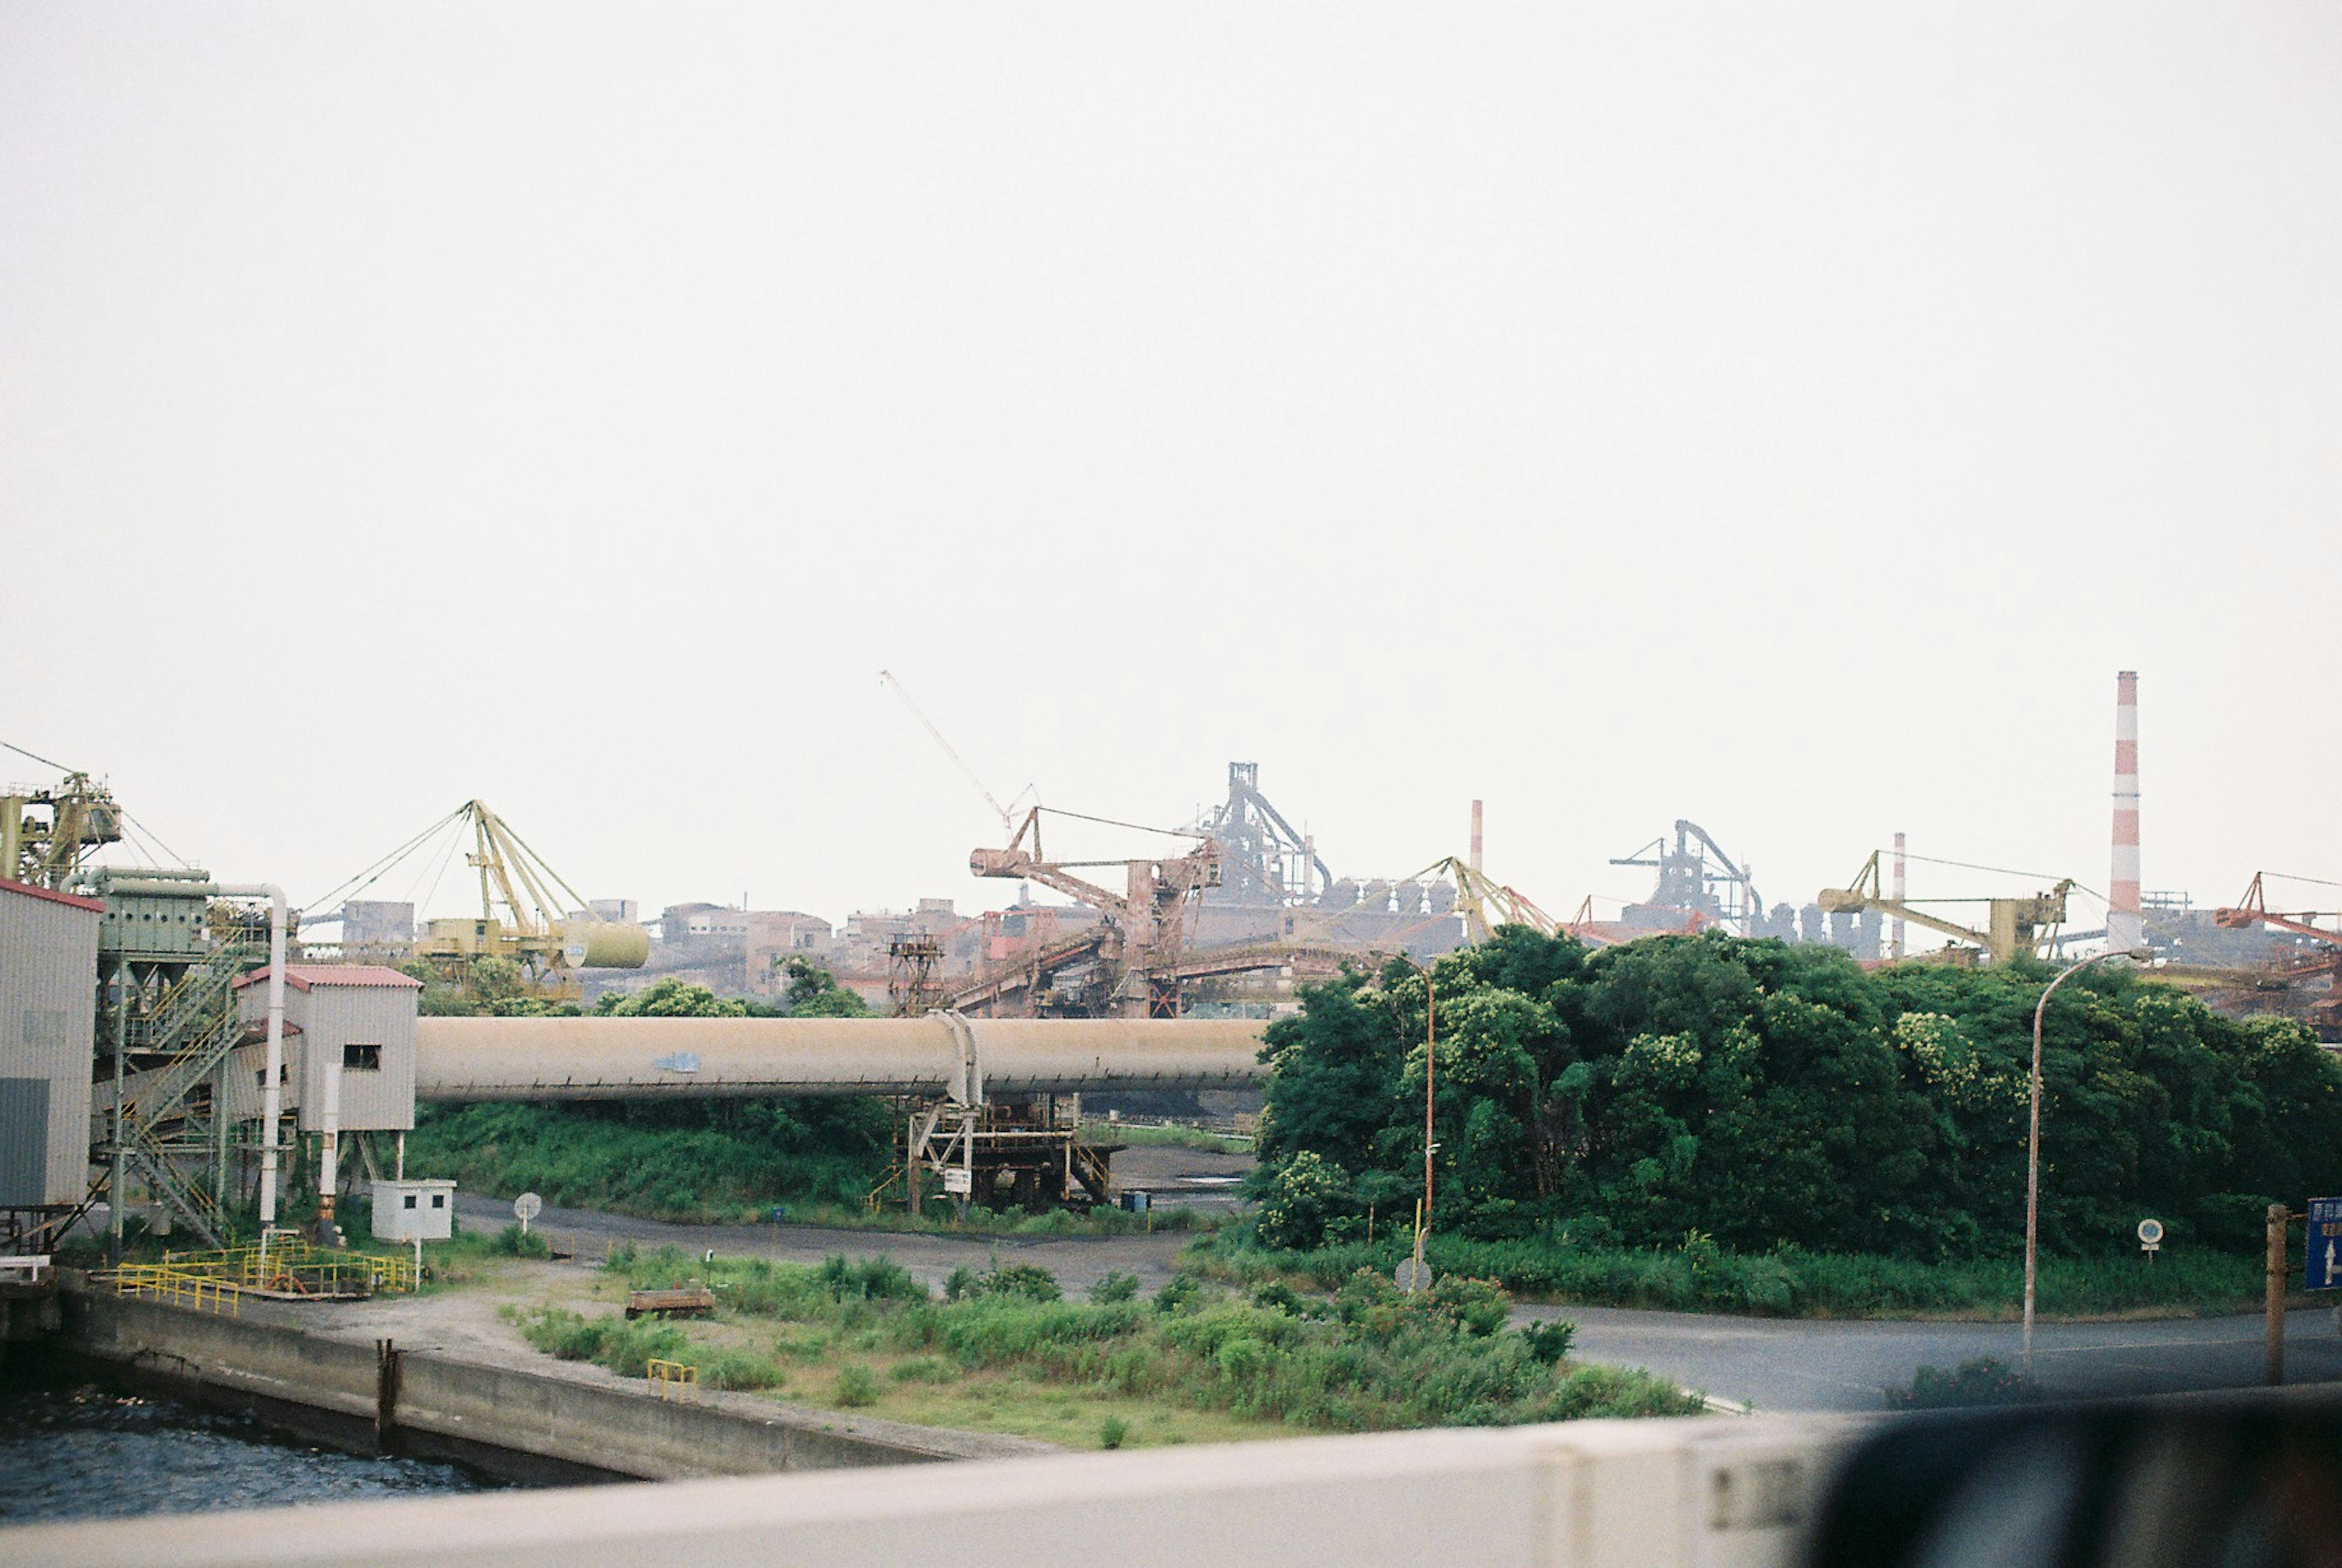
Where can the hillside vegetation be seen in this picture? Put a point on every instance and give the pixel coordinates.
(1709, 1096)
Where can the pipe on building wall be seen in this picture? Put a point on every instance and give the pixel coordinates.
(329, 1157)
(471, 1059)
(272, 1096)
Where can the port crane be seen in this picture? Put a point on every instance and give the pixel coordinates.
(2253, 909)
(1143, 928)
(2012, 925)
(1007, 814)
(519, 920)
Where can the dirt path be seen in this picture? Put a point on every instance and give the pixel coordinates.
(1077, 1261)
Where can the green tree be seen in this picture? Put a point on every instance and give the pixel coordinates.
(814, 993)
(1763, 1094)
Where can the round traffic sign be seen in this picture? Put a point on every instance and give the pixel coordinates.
(527, 1206)
(2150, 1232)
(1413, 1274)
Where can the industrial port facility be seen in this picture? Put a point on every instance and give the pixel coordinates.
(178, 1046)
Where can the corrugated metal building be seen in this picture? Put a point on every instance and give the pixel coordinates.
(360, 1016)
(48, 1018)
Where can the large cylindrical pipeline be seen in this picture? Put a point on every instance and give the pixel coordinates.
(609, 944)
(463, 1059)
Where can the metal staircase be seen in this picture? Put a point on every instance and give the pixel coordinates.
(166, 1128)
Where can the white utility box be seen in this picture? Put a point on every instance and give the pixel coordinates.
(414, 1210)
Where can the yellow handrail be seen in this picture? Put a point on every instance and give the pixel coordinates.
(671, 1379)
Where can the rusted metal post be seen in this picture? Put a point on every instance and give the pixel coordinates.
(390, 1369)
(911, 1162)
(2275, 1309)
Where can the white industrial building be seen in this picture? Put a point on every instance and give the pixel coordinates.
(356, 1018)
(48, 1005)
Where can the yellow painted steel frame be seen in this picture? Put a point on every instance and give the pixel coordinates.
(671, 1379)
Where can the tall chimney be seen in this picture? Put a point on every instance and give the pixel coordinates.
(2126, 929)
(1894, 939)
(1475, 836)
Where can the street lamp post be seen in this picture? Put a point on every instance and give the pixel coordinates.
(1430, 1036)
(1430, 1042)
(2032, 1143)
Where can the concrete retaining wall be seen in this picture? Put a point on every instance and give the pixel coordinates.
(554, 1417)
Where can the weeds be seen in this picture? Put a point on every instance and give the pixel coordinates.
(856, 1385)
(1783, 1284)
(1985, 1381)
(1367, 1358)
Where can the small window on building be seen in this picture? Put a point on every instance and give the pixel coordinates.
(410, 1200)
(358, 1058)
(438, 1200)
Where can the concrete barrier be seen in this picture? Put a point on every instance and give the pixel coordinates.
(1731, 1493)
(610, 1429)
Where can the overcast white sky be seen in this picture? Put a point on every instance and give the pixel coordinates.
(1784, 417)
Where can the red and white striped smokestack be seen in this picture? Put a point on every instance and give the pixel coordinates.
(2126, 927)
(1475, 836)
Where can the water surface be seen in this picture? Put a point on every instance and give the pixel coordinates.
(76, 1444)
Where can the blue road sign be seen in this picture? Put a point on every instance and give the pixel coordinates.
(2323, 1259)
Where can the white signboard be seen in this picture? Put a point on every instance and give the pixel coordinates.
(958, 1180)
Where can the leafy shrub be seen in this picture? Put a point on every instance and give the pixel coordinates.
(629, 1348)
(741, 1369)
(1030, 1281)
(1278, 1296)
(1182, 1288)
(1112, 1431)
(871, 1279)
(1985, 1381)
(961, 1281)
(856, 1385)
(1549, 1341)
(625, 1348)
(1111, 1288)
(511, 1241)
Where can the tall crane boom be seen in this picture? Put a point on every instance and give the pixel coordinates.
(1008, 817)
(2253, 910)
(2014, 925)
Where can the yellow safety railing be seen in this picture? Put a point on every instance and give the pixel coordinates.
(673, 1380)
(179, 1287)
(297, 1267)
(876, 1199)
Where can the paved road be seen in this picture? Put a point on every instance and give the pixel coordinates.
(1785, 1365)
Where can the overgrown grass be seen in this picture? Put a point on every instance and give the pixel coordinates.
(864, 1335)
(817, 1164)
(1172, 1137)
(1701, 1277)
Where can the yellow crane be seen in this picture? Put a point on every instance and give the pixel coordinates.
(519, 918)
(2012, 925)
(1484, 903)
